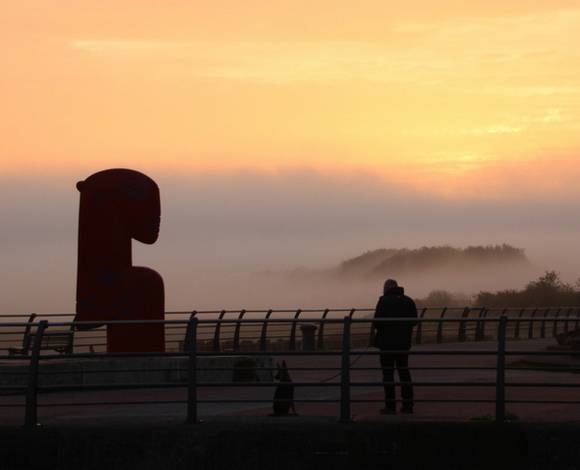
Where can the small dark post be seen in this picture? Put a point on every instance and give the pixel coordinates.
(192, 371)
(500, 381)
(31, 412)
(308, 336)
(345, 373)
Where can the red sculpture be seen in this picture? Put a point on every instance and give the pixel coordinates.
(116, 206)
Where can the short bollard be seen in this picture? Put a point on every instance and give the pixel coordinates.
(308, 332)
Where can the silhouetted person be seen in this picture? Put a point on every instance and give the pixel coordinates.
(394, 341)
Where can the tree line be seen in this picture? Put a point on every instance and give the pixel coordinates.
(395, 262)
(547, 291)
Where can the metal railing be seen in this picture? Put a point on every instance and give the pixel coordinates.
(347, 333)
(239, 335)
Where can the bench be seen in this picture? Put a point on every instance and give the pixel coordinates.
(60, 341)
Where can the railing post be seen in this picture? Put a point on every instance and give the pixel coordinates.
(192, 372)
(236, 345)
(440, 327)
(419, 329)
(543, 327)
(31, 411)
(321, 331)
(292, 343)
(462, 330)
(517, 330)
(480, 328)
(186, 338)
(345, 373)
(531, 327)
(555, 325)
(567, 316)
(264, 336)
(500, 380)
(216, 336)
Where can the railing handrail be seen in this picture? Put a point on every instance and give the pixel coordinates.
(471, 323)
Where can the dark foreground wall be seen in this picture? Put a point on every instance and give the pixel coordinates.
(291, 443)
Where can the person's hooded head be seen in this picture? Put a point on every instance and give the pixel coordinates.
(389, 284)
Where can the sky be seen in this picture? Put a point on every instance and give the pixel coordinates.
(289, 134)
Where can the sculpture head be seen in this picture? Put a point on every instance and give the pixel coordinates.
(124, 199)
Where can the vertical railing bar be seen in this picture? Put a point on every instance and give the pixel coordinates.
(263, 336)
(500, 380)
(186, 339)
(292, 344)
(236, 344)
(531, 327)
(31, 411)
(480, 329)
(555, 325)
(517, 331)
(192, 372)
(345, 373)
(351, 315)
(321, 331)
(216, 335)
(440, 327)
(543, 326)
(567, 316)
(462, 330)
(419, 329)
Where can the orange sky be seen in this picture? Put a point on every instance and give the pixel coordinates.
(460, 98)
(290, 133)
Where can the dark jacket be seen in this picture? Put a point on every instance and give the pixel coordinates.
(394, 335)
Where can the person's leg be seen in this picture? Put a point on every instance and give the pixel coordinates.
(388, 368)
(402, 363)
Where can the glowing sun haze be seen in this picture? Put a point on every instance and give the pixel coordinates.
(448, 101)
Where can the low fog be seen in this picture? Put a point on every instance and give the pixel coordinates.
(252, 240)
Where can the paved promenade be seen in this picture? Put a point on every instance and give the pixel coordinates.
(82, 433)
(433, 403)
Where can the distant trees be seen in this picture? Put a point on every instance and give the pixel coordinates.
(546, 291)
(395, 262)
(437, 298)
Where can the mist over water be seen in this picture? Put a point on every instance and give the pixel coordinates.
(323, 289)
